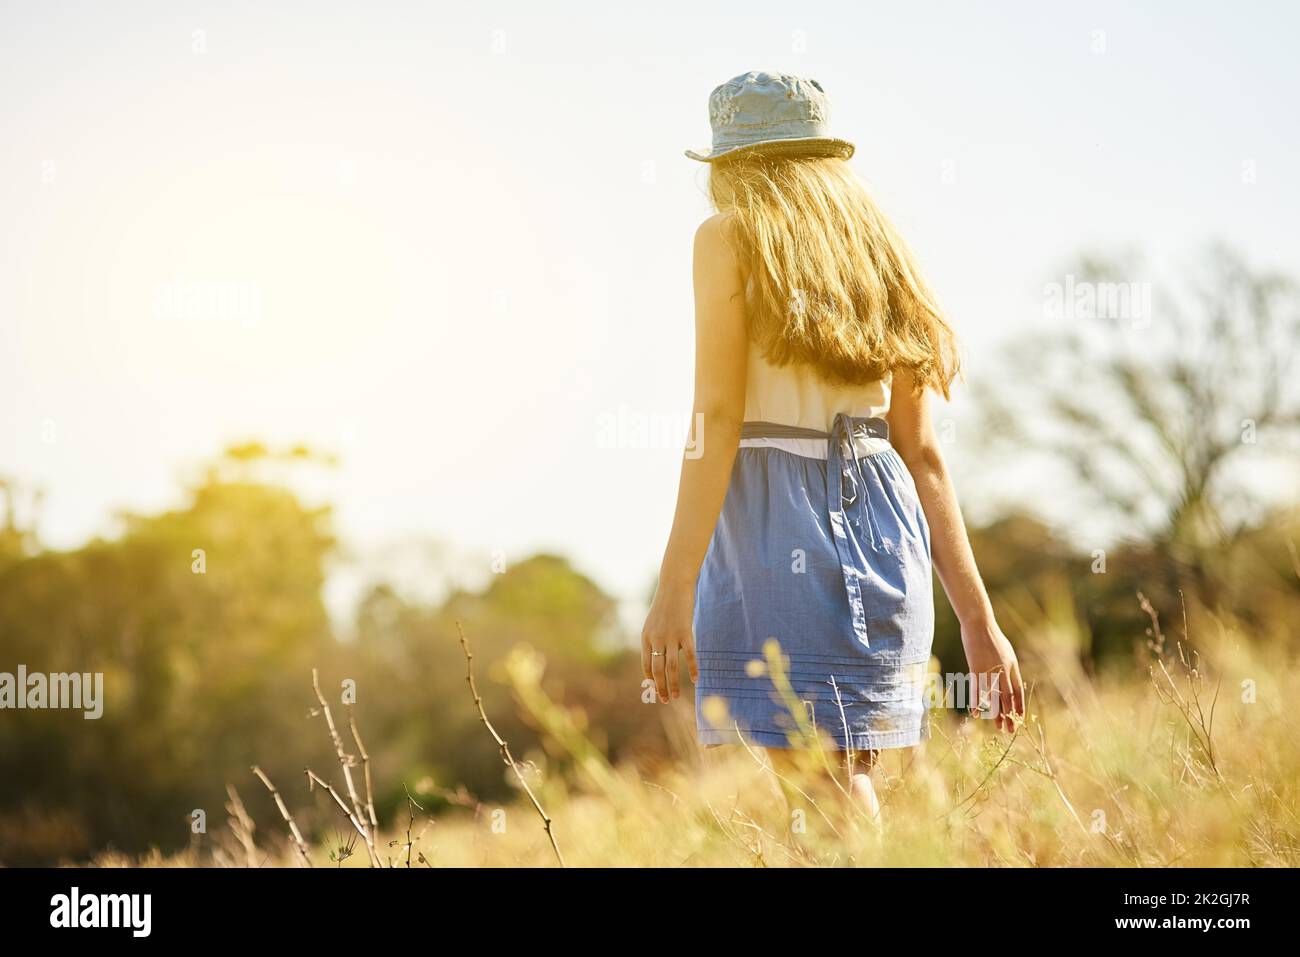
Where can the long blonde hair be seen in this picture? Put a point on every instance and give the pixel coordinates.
(829, 282)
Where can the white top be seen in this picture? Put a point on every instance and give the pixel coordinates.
(795, 395)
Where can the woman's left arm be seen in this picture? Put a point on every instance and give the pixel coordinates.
(719, 411)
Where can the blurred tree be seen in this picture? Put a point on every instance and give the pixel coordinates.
(205, 622)
(1165, 413)
(1017, 555)
(414, 688)
(18, 536)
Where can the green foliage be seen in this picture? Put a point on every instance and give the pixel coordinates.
(204, 622)
(207, 657)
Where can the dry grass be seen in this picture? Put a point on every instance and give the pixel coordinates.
(1187, 759)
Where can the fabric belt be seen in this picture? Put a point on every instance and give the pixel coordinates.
(844, 484)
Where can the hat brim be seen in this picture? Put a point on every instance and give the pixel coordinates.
(798, 146)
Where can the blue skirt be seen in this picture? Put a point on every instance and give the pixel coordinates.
(814, 612)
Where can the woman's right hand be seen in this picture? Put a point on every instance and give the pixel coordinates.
(990, 657)
(668, 633)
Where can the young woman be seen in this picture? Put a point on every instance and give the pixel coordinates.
(800, 553)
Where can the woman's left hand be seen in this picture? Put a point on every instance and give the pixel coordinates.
(668, 633)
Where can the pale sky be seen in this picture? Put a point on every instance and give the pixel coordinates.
(453, 245)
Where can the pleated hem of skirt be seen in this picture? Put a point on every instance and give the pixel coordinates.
(859, 741)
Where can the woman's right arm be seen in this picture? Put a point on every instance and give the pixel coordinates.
(988, 652)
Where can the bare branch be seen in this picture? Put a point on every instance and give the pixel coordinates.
(288, 818)
(501, 744)
(365, 767)
(346, 761)
(241, 825)
(313, 779)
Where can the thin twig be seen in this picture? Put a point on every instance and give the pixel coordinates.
(365, 767)
(346, 761)
(313, 779)
(988, 777)
(284, 813)
(501, 744)
(770, 769)
(848, 737)
(411, 806)
(241, 825)
(1040, 747)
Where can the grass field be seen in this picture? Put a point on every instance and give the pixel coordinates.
(1183, 760)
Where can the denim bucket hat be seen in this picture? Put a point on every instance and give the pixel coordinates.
(770, 112)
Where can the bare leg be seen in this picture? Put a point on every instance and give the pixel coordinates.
(859, 766)
(855, 765)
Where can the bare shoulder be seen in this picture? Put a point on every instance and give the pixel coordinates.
(715, 231)
(715, 249)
